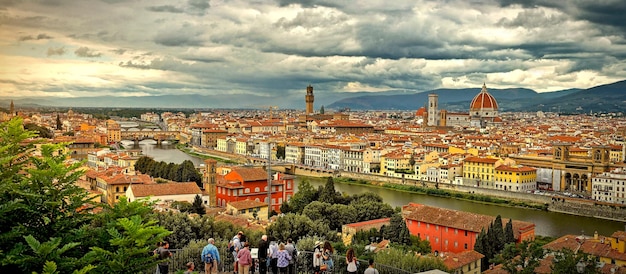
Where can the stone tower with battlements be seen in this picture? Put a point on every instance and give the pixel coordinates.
(309, 100)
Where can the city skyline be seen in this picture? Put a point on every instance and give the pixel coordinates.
(276, 48)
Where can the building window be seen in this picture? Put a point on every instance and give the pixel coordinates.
(257, 189)
(465, 246)
(465, 232)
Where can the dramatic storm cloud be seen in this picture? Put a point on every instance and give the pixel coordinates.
(274, 49)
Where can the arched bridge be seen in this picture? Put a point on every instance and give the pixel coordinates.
(156, 135)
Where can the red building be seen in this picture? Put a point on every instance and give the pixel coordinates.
(455, 231)
(250, 183)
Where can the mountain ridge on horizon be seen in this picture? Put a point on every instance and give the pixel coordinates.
(608, 97)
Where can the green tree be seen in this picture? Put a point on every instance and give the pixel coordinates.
(317, 211)
(338, 215)
(412, 163)
(130, 242)
(566, 261)
(38, 198)
(327, 193)
(482, 246)
(397, 231)
(305, 195)
(498, 234)
(181, 227)
(408, 261)
(198, 206)
(322, 109)
(370, 210)
(296, 226)
(509, 236)
(41, 131)
(521, 258)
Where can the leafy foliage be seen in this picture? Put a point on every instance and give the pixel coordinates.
(38, 197)
(566, 261)
(130, 242)
(493, 241)
(521, 258)
(198, 205)
(409, 261)
(397, 231)
(185, 172)
(296, 226)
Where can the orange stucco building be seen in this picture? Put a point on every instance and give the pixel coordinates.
(455, 231)
(250, 183)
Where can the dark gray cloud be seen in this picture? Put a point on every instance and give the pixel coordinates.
(308, 3)
(185, 36)
(198, 7)
(86, 52)
(280, 46)
(165, 8)
(56, 51)
(119, 51)
(40, 36)
(609, 13)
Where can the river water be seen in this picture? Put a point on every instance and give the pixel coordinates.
(547, 223)
(165, 152)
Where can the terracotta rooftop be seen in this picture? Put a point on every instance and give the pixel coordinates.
(165, 189)
(458, 219)
(457, 260)
(370, 222)
(250, 173)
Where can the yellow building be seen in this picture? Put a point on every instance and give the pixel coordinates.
(394, 161)
(457, 150)
(248, 209)
(479, 172)
(515, 178)
(114, 133)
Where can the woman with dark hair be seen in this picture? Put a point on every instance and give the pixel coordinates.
(351, 261)
(327, 256)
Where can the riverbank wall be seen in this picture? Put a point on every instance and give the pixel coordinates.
(578, 207)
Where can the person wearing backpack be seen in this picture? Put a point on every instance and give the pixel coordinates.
(234, 248)
(210, 257)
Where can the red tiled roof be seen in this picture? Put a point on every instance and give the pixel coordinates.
(165, 189)
(370, 222)
(457, 260)
(251, 173)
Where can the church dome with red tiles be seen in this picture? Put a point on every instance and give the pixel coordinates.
(483, 102)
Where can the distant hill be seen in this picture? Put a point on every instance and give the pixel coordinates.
(451, 99)
(604, 98)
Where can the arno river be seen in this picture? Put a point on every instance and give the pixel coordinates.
(547, 223)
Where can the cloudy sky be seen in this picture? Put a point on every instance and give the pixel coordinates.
(275, 48)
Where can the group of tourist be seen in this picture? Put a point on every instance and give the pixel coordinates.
(277, 257)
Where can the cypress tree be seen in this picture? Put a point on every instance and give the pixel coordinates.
(508, 232)
(498, 237)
